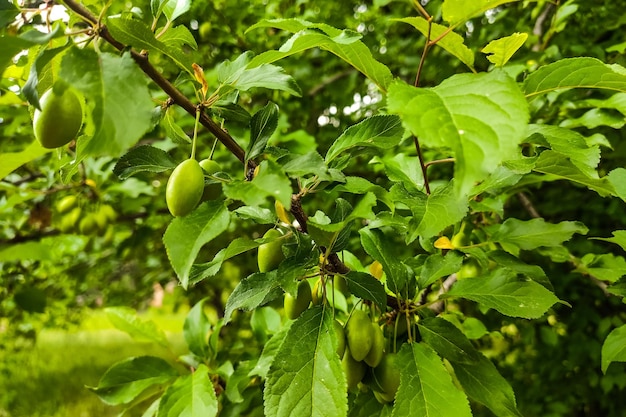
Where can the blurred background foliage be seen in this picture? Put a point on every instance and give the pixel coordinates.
(552, 363)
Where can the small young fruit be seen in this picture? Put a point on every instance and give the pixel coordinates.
(67, 203)
(184, 188)
(210, 167)
(375, 355)
(341, 338)
(88, 225)
(294, 306)
(360, 334)
(270, 254)
(387, 375)
(59, 119)
(70, 221)
(354, 370)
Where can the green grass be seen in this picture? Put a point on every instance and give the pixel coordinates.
(49, 380)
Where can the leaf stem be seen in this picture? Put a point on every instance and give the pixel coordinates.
(422, 164)
(195, 132)
(424, 53)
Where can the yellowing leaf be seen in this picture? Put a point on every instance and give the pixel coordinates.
(502, 49)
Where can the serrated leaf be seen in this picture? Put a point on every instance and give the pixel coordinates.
(426, 388)
(143, 158)
(515, 264)
(439, 266)
(238, 246)
(451, 42)
(483, 383)
(186, 235)
(262, 126)
(502, 49)
(502, 291)
(606, 266)
(506, 175)
(447, 340)
(619, 238)
(271, 181)
(459, 11)
(575, 73)
(381, 248)
(126, 380)
(344, 44)
(257, 214)
(196, 330)
(402, 168)
(256, 290)
(127, 320)
(617, 179)
(614, 347)
(359, 185)
(381, 131)
(531, 234)
(190, 396)
(178, 37)
(481, 117)
(310, 163)
(367, 287)
(106, 79)
(306, 378)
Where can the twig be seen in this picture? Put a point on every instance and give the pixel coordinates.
(422, 164)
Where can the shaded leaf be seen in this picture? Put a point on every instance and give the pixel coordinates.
(619, 238)
(143, 158)
(262, 126)
(439, 266)
(614, 347)
(196, 330)
(381, 248)
(367, 287)
(190, 396)
(256, 290)
(531, 234)
(127, 320)
(447, 340)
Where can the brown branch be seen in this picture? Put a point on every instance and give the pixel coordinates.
(176, 95)
(528, 205)
(422, 164)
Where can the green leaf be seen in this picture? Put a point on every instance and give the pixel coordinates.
(381, 248)
(402, 168)
(178, 37)
(271, 181)
(143, 158)
(501, 50)
(34, 251)
(447, 340)
(606, 267)
(37, 70)
(359, 185)
(13, 45)
(575, 73)
(344, 44)
(480, 117)
(367, 287)
(515, 264)
(502, 291)
(128, 379)
(7, 13)
(174, 8)
(619, 238)
(310, 163)
(614, 347)
(257, 214)
(426, 388)
(10, 161)
(459, 11)
(196, 330)
(270, 349)
(451, 42)
(172, 130)
(107, 79)
(617, 180)
(382, 132)
(506, 175)
(190, 396)
(186, 235)
(256, 290)
(306, 378)
(238, 246)
(531, 234)
(262, 126)
(439, 266)
(135, 33)
(483, 383)
(127, 320)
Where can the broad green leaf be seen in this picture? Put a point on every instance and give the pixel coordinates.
(270, 349)
(382, 131)
(186, 235)
(256, 290)
(595, 118)
(143, 158)
(10, 161)
(614, 347)
(196, 330)
(451, 42)
(135, 33)
(190, 396)
(605, 267)
(619, 238)
(34, 251)
(127, 320)
(459, 11)
(107, 79)
(575, 73)
(367, 287)
(617, 179)
(13, 45)
(503, 291)
(174, 8)
(238, 246)
(311, 163)
(404, 168)
(172, 130)
(306, 378)
(531, 234)
(7, 13)
(501, 50)
(426, 388)
(271, 181)
(483, 383)
(37, 71)
(343, 44)
(359, 185)
(515, 264)
(262, 126)
(381, 248)
(257, 214)
(366, 405)
(506, 175)
(447, 340)
(439, 266)
(178, 37)
(480, 117)
(127, 380)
